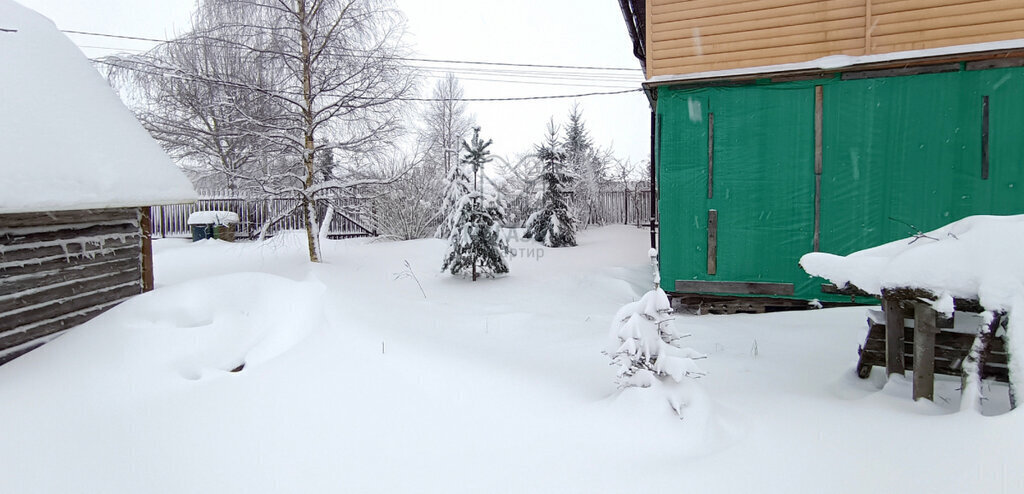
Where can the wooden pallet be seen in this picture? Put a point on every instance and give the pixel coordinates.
(951, 349)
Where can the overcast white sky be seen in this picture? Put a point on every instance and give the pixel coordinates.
(557, 32)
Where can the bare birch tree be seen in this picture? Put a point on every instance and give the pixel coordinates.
(329, 78)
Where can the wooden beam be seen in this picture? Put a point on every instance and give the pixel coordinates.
(924, 351)
(893, 337)
(712, 241)
(734, 287)
(902, 71)
(984, 137)
(147, 248)
(711, 155)
(819, 101)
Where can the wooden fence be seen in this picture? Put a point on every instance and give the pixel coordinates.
(172, 220)
(624, 206)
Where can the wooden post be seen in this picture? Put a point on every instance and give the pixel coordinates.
(147, 248)
(163, 223)
(893, 337)
(984, 137)
(711, 155)
(924, 350)
(819, 101)
(712, 241)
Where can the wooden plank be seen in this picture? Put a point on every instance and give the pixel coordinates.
(764, 27)
(946, 14)
(21, 336)
(946, 36)
(924, 351)
(869, 26)
(734, 287)
(901, 71)
(763, 9)
(819, 100)
(45, 267)
(69, 250)
(147, 249)
(711, 155)
(712, 242)
(762, 56)
(746, 40)
(759, 48)
(73, 304)
(12, 239)
(996, 63)
(11, 286)
(894, 326)
(53, 294)
(64, 217)
(984, 137)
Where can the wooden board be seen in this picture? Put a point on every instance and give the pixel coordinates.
(735, 287)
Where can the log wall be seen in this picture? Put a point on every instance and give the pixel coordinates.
(60, 269)
(687, 36)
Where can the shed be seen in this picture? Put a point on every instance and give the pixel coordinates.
(77, 174)
(785, 127)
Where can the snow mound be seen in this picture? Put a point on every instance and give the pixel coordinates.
(194, 330)
(66, 140)
(958, 259)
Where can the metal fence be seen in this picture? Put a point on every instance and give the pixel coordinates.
(172, 220)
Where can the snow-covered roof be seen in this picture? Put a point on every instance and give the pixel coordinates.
(66, 140)
(977, 257)
(834, 62)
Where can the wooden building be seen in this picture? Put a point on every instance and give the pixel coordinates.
(782, 127)
(77, 174)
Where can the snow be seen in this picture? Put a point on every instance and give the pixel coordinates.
(958, 260)
(66, 140)
(354, 381)
(840, 61)
(213, 218)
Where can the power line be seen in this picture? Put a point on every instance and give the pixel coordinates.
(409, 59)
(191, 77)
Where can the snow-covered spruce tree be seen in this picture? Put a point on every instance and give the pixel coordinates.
(644, 344)
(553, 224)
(458, 184)
(475, 243)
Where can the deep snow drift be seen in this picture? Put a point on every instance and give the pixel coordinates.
(355, 382)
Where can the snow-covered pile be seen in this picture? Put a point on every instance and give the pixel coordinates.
(213, 218)
(66, 140)
(976, 257)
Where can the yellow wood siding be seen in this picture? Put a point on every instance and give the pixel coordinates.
(686, 36)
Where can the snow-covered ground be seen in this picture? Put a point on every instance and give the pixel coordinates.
(355, 380)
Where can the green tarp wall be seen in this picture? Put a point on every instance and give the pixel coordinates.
(897, 151)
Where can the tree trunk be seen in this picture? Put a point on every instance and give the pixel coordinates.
(308, 214)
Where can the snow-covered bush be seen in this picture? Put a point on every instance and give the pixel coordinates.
(644, 344)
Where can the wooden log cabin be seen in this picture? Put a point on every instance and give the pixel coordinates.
(781, 127)
(77, 174)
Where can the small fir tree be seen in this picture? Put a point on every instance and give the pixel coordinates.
(644, 346)
(553, 225)
(475, 240)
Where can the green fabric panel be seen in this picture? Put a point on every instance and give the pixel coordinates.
(898, 151)
(763, 182)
